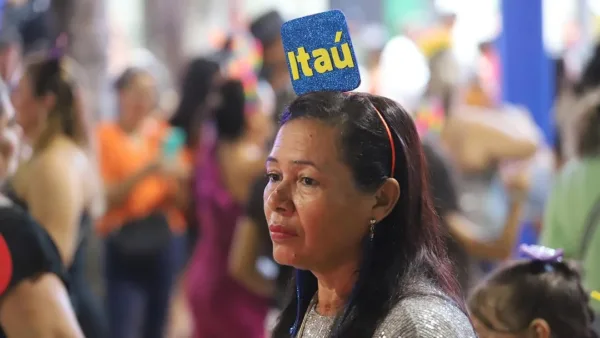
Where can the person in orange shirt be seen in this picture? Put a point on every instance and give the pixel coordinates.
(143, 219)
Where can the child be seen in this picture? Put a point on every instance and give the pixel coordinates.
(539, 297)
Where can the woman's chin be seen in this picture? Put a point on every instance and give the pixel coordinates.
(284, 255)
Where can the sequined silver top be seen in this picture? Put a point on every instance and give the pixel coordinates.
(425, 316)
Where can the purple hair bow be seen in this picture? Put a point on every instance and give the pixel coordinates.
(60, 47)
(541, 253)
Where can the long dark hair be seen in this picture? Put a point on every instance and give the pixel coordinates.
(196, 86)
(588, 124)
(525, 290)
(590, 76)
(408, 245)
(230, 117)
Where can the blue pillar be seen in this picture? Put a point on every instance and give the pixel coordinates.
(527, 71)
(2, 5)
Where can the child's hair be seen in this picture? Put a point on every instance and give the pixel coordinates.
(525, 290)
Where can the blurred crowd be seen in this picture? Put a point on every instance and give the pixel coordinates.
(176, 196)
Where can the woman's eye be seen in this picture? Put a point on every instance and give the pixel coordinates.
(273, 177)
(308, 181)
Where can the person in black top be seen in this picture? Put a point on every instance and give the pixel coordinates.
(252, 243)
(34, 301)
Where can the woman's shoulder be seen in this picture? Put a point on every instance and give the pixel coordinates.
(53, 162)
(426, 316)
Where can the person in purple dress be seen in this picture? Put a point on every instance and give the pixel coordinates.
(220, 306)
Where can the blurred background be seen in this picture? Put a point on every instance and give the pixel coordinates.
(501, 90)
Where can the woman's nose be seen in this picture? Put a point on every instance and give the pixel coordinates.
(279, 200)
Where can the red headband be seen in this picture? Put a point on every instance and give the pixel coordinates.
(391, 139)
(390, 136)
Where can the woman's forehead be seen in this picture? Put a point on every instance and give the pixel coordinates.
(306, 140)
(143, 80)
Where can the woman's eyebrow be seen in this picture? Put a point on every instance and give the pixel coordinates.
(294, 162)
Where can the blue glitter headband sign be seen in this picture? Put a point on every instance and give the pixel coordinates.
(319, 53)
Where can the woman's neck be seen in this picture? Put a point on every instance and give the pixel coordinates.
(33, 135)
(335, 287)
(40, 139)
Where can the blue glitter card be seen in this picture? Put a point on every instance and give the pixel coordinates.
(319, 53)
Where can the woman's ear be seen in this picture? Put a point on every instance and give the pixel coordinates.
(386, 198)
(539, 328)
(49, 101)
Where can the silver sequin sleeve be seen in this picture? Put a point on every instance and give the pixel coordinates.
(427, 316)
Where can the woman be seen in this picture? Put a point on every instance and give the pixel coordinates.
(462, 244)
(227, 167)
(199, 98)
(348, 206)
(33, 298)
(144, 192)
(56, 185)
(493, 170)
(251, 242)
(430, 119)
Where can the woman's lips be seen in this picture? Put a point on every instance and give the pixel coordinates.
(281, 233)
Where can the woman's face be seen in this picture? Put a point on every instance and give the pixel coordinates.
(29, 109)
(317, 217)
(137, 99)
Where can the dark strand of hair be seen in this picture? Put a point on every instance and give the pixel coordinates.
(196, 87)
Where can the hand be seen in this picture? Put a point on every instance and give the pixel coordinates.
(516, 177)
(170, 166)
(180, 323)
